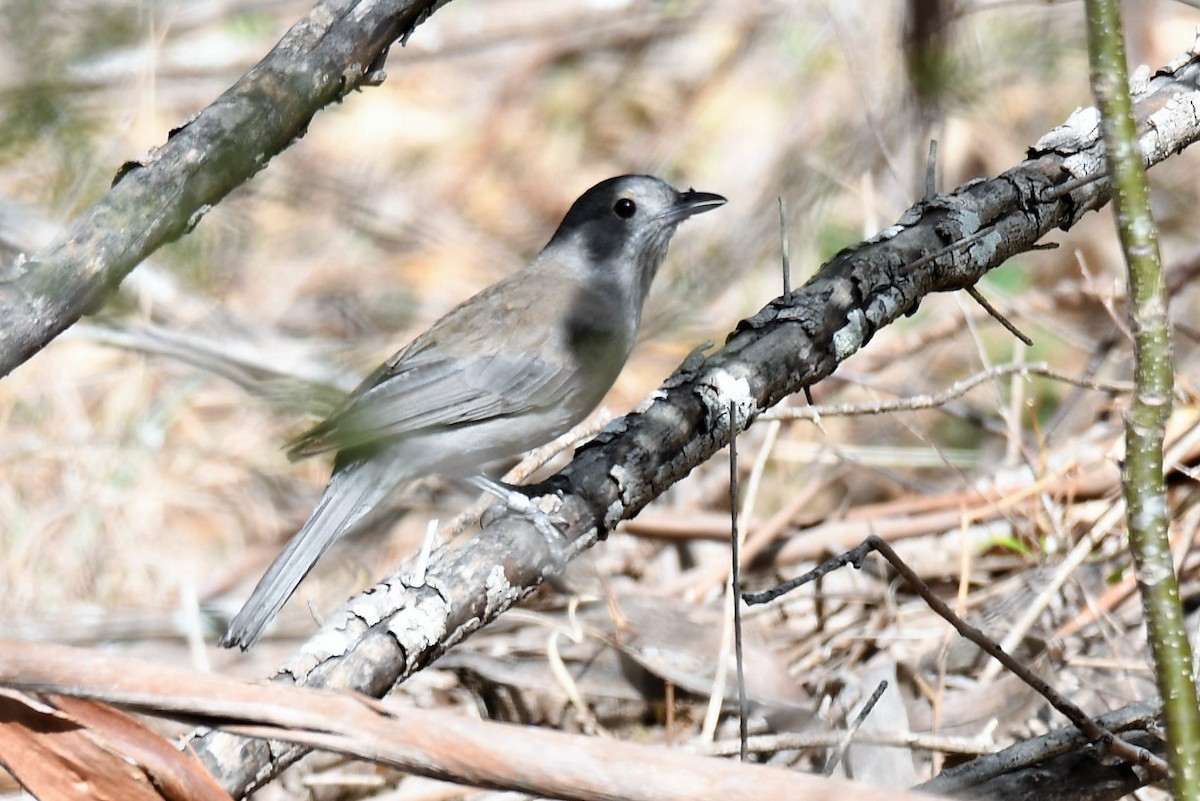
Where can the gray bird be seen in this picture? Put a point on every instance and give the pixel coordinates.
(513, 367)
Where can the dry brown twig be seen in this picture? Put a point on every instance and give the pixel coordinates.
(1094, 731)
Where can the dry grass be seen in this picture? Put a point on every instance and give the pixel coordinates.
(133, 484)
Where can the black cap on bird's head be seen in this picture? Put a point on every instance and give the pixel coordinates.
(629, 220)
(617, 204)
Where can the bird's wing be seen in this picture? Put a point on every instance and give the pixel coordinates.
(423, 387)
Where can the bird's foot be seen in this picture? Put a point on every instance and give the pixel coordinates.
(522, 504)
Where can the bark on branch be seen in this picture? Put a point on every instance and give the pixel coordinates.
(163, 196)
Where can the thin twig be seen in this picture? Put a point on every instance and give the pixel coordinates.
(931, 170)
(1093, 731)
(1067, 187)
(855, 725)
(785, 257)
(995, 314)
(956, 390)
(794, 741)
(735, 580)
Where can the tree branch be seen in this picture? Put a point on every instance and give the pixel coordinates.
(319, 61)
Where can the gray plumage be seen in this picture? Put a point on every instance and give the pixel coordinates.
(510, 369)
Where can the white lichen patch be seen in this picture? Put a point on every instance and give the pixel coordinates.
(1080, 130)
(849, 338)
(726, 390)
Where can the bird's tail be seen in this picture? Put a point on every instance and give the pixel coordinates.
(353, 491)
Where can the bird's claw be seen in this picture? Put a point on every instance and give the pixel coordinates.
(524, 505)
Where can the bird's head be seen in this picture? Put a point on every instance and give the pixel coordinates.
(618, 231)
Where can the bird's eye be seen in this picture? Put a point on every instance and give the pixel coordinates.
(624, 208)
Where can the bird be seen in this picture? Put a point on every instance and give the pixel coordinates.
(511, 368)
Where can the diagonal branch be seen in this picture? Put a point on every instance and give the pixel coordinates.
(322, 58)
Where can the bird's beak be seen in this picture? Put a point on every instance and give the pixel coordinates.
(689, 203)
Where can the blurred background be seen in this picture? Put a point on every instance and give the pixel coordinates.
(136, 485)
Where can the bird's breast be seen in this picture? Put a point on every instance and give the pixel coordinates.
(598, 334)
